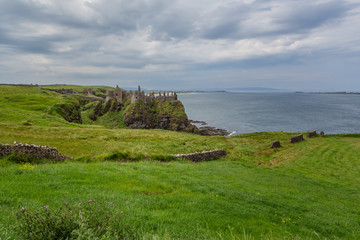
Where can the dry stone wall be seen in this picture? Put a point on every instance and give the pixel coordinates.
(297, 138)
(311, 134)
(32, 150)
(202, 156)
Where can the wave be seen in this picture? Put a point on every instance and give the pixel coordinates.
(231, 134)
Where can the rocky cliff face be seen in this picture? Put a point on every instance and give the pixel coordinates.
(169, 115)
(70, 110)
(155, 114)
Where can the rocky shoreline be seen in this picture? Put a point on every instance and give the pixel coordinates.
(208, 130)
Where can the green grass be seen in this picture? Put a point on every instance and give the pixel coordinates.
(77, 87)
(308, 190)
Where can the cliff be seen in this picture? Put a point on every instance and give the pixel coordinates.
(169, 115)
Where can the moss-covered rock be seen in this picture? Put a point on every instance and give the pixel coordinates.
(70, 110)
(169, 115)
(141, 115)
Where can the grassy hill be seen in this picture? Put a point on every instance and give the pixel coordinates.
(308, 190)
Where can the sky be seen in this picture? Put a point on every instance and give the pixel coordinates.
(306, 45)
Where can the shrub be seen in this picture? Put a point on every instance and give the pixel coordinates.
(26, 167)
(19, 157)
(84, 221)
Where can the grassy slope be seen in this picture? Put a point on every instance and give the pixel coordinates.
(78, 88)
(304, 190)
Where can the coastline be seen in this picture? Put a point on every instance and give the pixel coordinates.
(207, 130)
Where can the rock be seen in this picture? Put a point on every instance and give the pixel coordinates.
(297, 138)
(311, 134)
(275, 144)
(212, 131)
(200, 122)
(158, 115)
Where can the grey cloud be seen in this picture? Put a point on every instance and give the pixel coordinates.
(196, 35)
(34, 45)
(303, 16)
(289, 17)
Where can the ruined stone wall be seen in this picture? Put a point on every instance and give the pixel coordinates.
(202, 156)
(167, 96)
(110, 95)
(311, 134)
(32, 150)
(61, 91)
(121, 95)
(297, 138)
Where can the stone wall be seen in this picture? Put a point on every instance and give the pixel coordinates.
(297, 138)
(311, 134)
(61, 91)
(202, 156)
(32, 150)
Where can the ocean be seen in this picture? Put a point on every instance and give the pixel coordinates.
(246, 112)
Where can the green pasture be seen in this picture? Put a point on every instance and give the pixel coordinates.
(307, 190)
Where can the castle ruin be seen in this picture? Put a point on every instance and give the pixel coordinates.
(121, 95)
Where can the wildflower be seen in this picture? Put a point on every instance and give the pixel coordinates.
(121, 213)
(22, 209)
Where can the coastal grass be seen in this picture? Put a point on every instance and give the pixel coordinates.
(77, 88)
(195, 201)
(307, 190)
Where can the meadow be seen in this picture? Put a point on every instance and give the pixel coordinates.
(307, 190)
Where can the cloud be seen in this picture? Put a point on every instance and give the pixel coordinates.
(77, 40)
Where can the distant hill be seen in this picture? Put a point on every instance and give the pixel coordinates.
(255, 89)
(247, 89)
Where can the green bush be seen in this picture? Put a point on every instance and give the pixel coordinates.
(19, 157)
(84, 221)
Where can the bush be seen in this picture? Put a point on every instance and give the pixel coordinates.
(84, 221)
(19, 157)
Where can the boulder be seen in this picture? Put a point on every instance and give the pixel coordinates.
(275, 144)
(311, 134)
(297, 138)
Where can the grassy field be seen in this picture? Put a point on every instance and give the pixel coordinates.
(308, 190)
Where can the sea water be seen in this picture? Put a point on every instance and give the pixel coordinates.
(245, 112)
